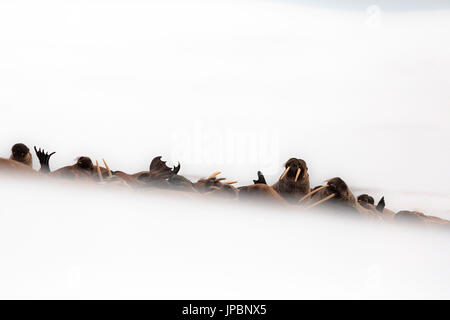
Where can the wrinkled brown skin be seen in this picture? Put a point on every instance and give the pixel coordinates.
(13, 166)
(131, 179)
(27, 160)
(261, 192)
(180, 183)
(418, 218)
(83, 169)
(371, 209)
(287, 187)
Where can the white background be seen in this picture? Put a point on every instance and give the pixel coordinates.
(231, 86)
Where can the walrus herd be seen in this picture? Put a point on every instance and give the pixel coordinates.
(292, 188)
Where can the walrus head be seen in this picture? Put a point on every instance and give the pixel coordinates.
(294, 182)
(336, 190)
(216, 186)
(84, 163)
(338, 187)
(295, 171)
(365, 200)
(21, 153)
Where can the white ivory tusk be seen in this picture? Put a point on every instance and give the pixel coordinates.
(285, 173)
(298, 173)
(322, 201)
(312, 192)
(107, 168)
(215, 174)
(99, 171)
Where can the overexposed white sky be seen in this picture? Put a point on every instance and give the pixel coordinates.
(360, 92)
(237, 86)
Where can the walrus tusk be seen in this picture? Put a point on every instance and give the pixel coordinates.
(298, 173)
(285, 173)
(230, 182)
(313, 192)
(107, 168)
(215, 174)
(321, 201)
(98, 171)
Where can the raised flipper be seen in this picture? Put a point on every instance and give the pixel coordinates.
(261, 179)
(44, 159)
(381, 205)
(159, 170)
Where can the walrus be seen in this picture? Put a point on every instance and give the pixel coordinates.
(291, 187)
(368, 203)
(365, 200)
(83, 169)
(294, 182)
(335, 193)
(417, 218)
(214, 186)
(338, 196)
(20, 160)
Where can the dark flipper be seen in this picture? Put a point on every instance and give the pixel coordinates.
(159, 169)
(44, 159)
(261, 179)
(381, 205)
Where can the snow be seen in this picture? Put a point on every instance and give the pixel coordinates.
(66, 241)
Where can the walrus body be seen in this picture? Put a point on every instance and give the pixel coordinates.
(261, 192)
(83, 169)
(13, 166)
